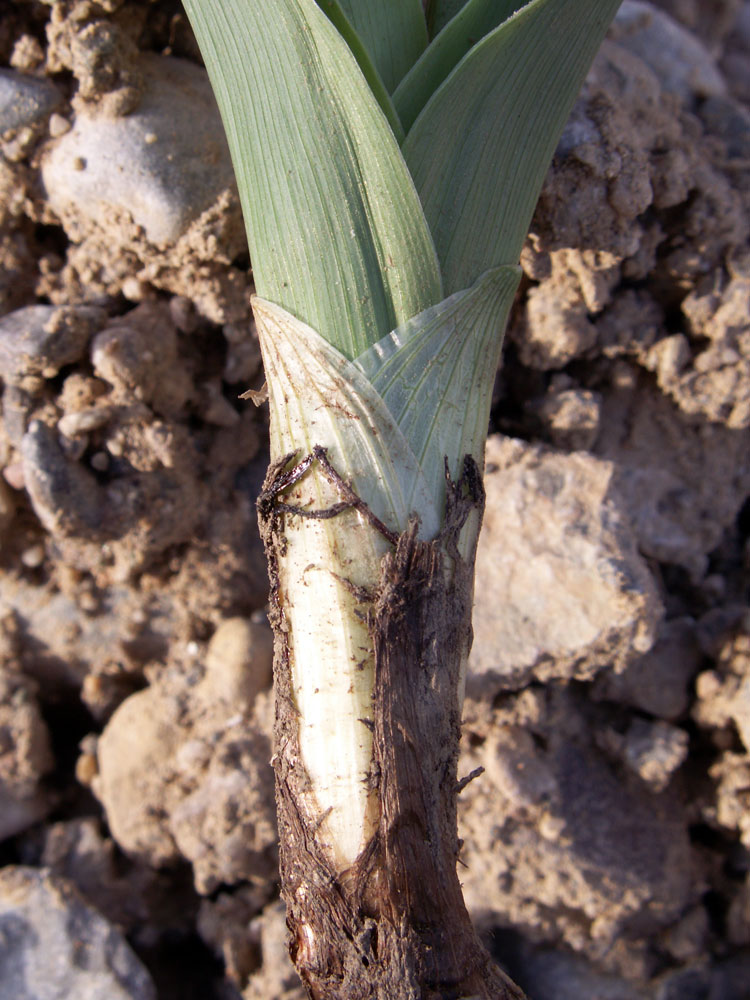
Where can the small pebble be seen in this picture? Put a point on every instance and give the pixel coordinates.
(680, 60)
(27, 54)
(58, 125)
(74, 424)
(13, 475)
(33, 557)
(239, 662)
(707, 685)
(183, 314)
(134, 289)
(86, 769)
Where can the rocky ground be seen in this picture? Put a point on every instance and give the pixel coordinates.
(607, 845)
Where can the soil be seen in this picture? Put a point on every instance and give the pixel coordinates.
(606, 845)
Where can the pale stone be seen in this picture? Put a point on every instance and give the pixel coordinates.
(561, 590)
(163, 164)
(680, 60)
(53, 944)
(239, 661)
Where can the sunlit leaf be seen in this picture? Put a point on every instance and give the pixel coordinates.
(481, 147)
(394, 32)
(473, 22)
(435, 373)
(335, 14)
(336, 231)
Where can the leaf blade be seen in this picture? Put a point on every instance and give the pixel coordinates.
(504, 106)
(335, 14)
(475, 19)
(336, 231)
(435, 374)
(394, 32)
(441, 12)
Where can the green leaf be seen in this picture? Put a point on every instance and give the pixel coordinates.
(435, 374)
(394, 32)
(440, 12)
(480, 149)
(472, 23)
(337, 17)
(336, 231)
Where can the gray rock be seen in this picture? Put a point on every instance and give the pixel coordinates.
(18, 405)
(653, 751)
(680, 60)
(731, 121)
(24, 100)
(678, 517)
(163, 164)
(730, 978)
(561, 589)
(715, 23)
(657, 682)
(561, 844)
(195, 785)
(65, 496)
(25, 756)
(687, 984)
(53, 946)
(742, 25)
(558, 975)
(36, 341)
